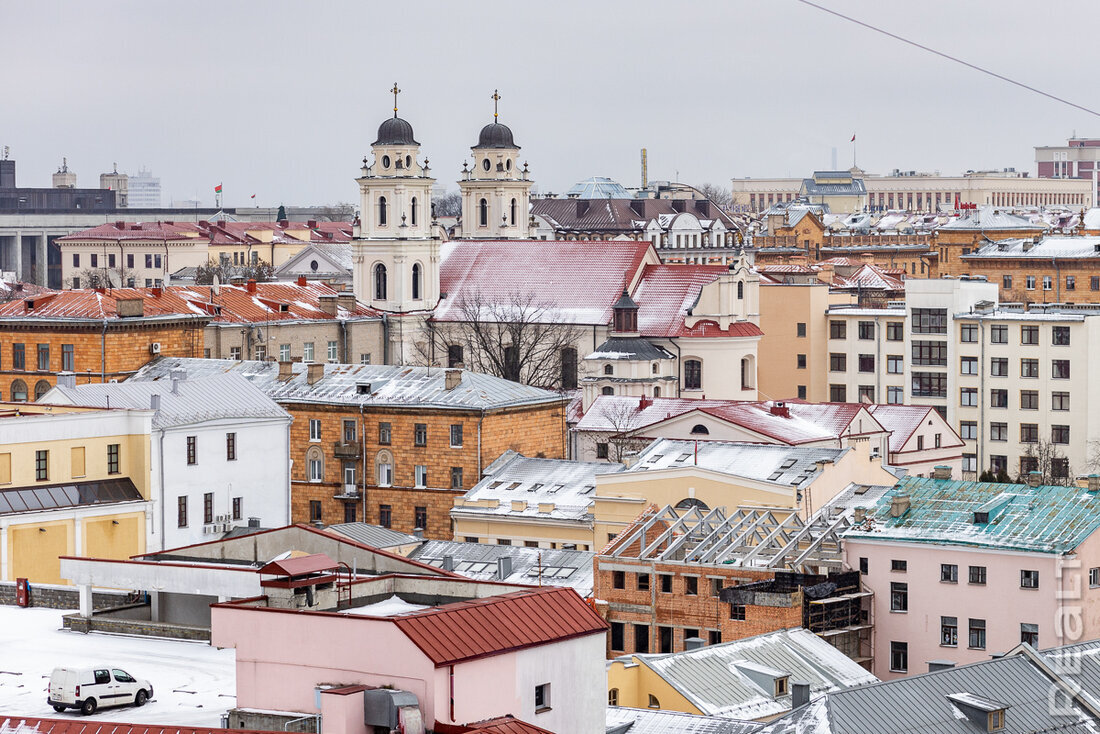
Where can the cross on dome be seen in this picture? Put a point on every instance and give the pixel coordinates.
(496, 103)
(396, 91)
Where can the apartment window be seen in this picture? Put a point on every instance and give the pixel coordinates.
(800, 329)
(18, 357)
(866, 393)
(998, 431)
(602, 450)
(899, 565)
(866, 329)
(929, 384)
(333, 353)
(364, 358)
(1059, 369)
(156, 261)
(420, 475)
(67, 357)
(618, 581)
(976, 575)
(385, 515)
(968, 365)
(181, 512)
(738, 612)
(866, 363)
(1029, 579)
(618, 634)
(1094, 577)
(1059, 336)
(384, 433)
(970, 463)
(1059, 434)
(895, 364)
(420, 517)
(930, 353)
(929, 321)
(968, 430)
(235, 353)
(1029, 282)
(641, 644)
(693, 375)
(1029, 464)
(284, 352)
(998, 398)
(998, 463)
(307, 352)
(1029, 368)
(976, 639)
(1029, 399)
(208, 507)
(691, 586)
(800, 361)
(899, 657)
(895, 395)
(714, 637)
(968, 333)
(838, 394)
(838, 362)
(1059, 401)
(895, 331)
(94, 259)
(863, 565)
(899, 596)
(949, 631)
(314, 429)
(1059, 467)
(43, 357)
(420, 434)
(838, 329)
(113, 458)
(949, 573)
(1094, 283)
(1029, 335)
(998, 367)
(237, 513)
(456, 435)
(1029, 634)
(1048, 283)
(110, 259)
(192, 450)
(456, 477)
(350, 431)
(1006, 282)
(42, 465)
(1029, 433)
(643, 582)
(998, 334)
(315, 510)
(666, 582)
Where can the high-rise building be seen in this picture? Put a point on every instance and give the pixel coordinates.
(144, 190)
(1078, 158)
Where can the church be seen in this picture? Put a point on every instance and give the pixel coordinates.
(609, 317)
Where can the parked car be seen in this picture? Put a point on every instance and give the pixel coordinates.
(88, 689)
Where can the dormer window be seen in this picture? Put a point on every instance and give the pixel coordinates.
(608, 369)
(996, 721)
(781, 687)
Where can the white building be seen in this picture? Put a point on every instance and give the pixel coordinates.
(219, 453)
(144, 190)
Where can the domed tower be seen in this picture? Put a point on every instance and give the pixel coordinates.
(495, 192)
(395, 254)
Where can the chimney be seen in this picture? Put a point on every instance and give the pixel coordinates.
(899, 505)
(859, 514)
(314, 372)
(327, 303)
(346, 301)
(941, 472)
(1094, 482)
(419, 533)
(253, 522)
(66, 379)
(284, 223)
(692, 643)
(130, 307)
(504, 567)
(780, 408)
(800, 694)
(302, 280)
(934, 666)
(286, 370)
(1034, 478)
(448, 563)
(156, 291)
(453, 379)
(154, 402)
(177, 376)
(311, 223)
(250, 286)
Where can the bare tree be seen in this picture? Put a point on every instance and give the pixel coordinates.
(516, 338)
(719, 195)
(448, 204)
(1046, 458)
(339, 212)
(260, 271)
(624, 418)
(103, 277)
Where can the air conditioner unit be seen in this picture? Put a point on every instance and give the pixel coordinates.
(154, 348)
(210, 528)
(223, 518)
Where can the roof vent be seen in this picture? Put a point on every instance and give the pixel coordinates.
(800, 694)
(66, 379)
(154, 402)
(1034, 478)
(1094, 482)
(504, 567)
(362, 388)
(448, 563)
(693, 643)
(938, 665)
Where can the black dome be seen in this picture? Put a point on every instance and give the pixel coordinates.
(395, 131)
(495, 135)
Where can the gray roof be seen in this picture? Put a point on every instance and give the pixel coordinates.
(375, 536)
(1080, 662)
(788, 466)
(733, 679)
(618, 347)
(920, 703)
(535, 566)
(1052, 246)
(623, 720)
(570, 486)
(333, 258)
(598, 187)
(211, 397)
(987, 217)
(362, 384)
(852, 187)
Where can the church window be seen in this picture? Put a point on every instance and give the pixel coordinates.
(608, 369)
(513, 212)
(408, 161)
(486, 164)
(483, 209)
(385, 161)
(608, 391)
(508, 164)
(381, 211)
(693, 375)
(454, 355)
(379, 282)
(413, 208)
(740, 290)
(416, 281)
(568, 368)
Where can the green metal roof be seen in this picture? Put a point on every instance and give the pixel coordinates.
(1043, 519)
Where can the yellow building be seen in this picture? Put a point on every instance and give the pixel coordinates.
(73, 481)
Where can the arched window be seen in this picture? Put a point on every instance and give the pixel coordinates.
(608, 369)
(656, 392)
(688, 502)
(693, 375)
(41, 388)
(608, 390)
(379, 282)
(454, 355)
(381, 211)
(413, 211)
(655, 368)
(383, 465)
(748, 373)
(740, 289)
(653, 702)
(19, 391)
(315, 464)
(483, 213)
(416, 282)
(513, 212)
(613, 697)
(700, 430)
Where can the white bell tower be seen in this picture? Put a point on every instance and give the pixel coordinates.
(495, 193)
(395, 254)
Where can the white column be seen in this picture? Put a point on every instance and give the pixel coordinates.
(85, 600)
(154, 606)
(43, 269)
(18, 258)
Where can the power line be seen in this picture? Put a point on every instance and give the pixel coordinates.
(949, 57)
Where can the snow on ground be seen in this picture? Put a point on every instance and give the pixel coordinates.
(193, 683)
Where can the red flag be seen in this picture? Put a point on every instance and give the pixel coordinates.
(253, 196)
(853, 137)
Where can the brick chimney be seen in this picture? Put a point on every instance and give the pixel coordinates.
(899, 505)
(314, 372)
(346, 301)
(941, 472)
(453, 379)
(327, 303)
(250, 286)
(1094, 482)
(286, 371)
(1034, 478)
(780, 409)
(302, 280)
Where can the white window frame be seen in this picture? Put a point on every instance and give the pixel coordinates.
(314, 430)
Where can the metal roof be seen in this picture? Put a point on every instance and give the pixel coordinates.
(987, 217)
(598, 187)
(1044, 519)
(73, 494)
(630, 348)
(300, 565)
(375, 536)
(1080, 662)
(361, 384)
(208, 398)
(725, 679)
(1051, 246)
(534, 566)
(623, 720)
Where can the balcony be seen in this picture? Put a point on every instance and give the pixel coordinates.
(346, 450)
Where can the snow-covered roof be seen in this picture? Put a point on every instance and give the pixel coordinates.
(535, 566)
(987, 217)
(623, 720)
(1051, 246)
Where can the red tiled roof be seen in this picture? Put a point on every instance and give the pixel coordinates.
(478, 628)
(217, 233)
(313, 563)
(499, 725)
(665, 294)
(76, 725)
(114, 231)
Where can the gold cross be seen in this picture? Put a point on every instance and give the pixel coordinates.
(496, 102)
(395, 92)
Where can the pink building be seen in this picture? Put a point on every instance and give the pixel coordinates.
(964, 570)
(449, 651)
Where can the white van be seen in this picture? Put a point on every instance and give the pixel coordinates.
(90, 688)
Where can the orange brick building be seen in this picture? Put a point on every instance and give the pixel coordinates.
(1052, 269)
(964, 235)
(97, 336)
(393, 445)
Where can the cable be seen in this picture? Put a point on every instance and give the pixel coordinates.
(948, 57)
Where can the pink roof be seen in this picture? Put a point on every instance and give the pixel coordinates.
(114, 231)
(216, 233)
(87, 726)
(903, 421)
(478, 628)
(665, 294)
(869, 276)
(300, 566)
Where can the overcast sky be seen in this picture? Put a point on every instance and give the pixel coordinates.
(282, 99)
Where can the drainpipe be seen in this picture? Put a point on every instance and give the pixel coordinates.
(479, 421)
(363, 458)
(344, 338)
(878, 359)
(385, 338)
(678, 365)
(981, 396)
(160, 441)
(1057, 280)
(103, 353)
